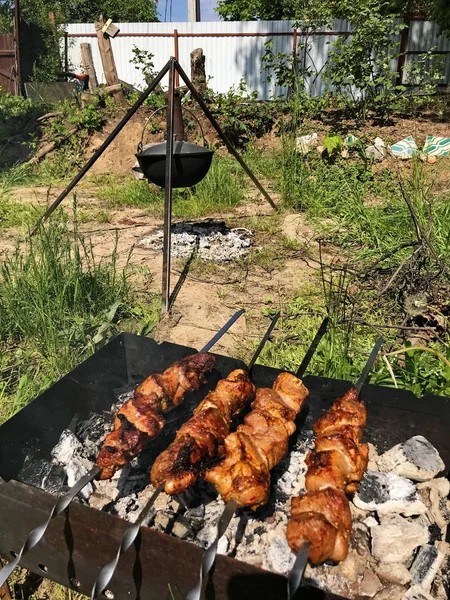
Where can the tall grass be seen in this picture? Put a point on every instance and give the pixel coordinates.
(57, 305)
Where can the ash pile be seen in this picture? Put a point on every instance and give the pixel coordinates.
(212, 240)
(400, 513)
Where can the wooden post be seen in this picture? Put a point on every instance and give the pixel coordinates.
(198, 74)
(88, 66)
(108, 62)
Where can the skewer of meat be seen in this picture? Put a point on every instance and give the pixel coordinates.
(35, 536)
(242, 478)
(321, 520)
(198, 442)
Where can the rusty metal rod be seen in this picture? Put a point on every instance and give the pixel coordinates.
(231, 149)
(168, 189)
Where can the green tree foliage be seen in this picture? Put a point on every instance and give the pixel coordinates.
(77, 11)
(303, 10)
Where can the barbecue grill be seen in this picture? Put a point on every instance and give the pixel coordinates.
(80, 542)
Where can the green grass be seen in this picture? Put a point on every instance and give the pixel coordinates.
(221, 190)
(58, 304)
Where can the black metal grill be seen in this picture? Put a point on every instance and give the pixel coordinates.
(80, 542)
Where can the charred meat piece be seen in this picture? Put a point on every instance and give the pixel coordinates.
(335, 467)
(259, 443)
(200, 440)
(141, 418)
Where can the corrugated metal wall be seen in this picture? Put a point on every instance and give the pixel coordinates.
(233, 50)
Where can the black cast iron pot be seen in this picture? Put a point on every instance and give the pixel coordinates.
(191, 163)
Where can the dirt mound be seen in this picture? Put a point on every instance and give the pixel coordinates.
(119, 157)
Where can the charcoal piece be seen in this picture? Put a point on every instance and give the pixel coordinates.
(56, 480)
(388, 493)
(93, 431)
(35, 472)
(435, 533)
(426, 565)
(415, 459)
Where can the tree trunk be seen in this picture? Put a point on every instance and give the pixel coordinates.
(88, 66)
(198, 75)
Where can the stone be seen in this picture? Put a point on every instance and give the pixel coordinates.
(396, 538)
(378, 153)
(434, 495)
(393, 572)
(388, 493)
(370, 584)
(426, 565)
(416, 593)
(391, 592)
(415, 459)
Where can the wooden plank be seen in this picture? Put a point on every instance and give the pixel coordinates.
(106, 53)
(88, 65)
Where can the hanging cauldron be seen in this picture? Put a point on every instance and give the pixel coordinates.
(190, 163)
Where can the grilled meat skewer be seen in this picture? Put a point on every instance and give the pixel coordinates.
(322, 516)
(259, 443)
(200, 440)
(142, 417)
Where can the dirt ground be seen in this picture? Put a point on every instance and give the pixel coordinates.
(206, 299)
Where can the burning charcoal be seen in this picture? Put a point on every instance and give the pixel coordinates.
(293, 467)
(388, 493)
(416, 593)
(127, 508)
(207, 533)
(393, 572)
(415, 459)
(369, 585)
(93, 430)
(434, 494)
(279, 557)
(360, 538)
(43, 474)
(396, 538)
(426, 565)
(70, 453)
(181, 529)
(162, 520)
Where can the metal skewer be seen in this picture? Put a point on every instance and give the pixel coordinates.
(107, 572)
(209, 556)
(296, 574)
(35, 536)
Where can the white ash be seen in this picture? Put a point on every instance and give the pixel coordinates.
(69, 452)
(396, 538)
(415, 459)
(434, 495)
(388, 493)
(212, 240)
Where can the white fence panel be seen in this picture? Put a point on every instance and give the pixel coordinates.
(233, 50)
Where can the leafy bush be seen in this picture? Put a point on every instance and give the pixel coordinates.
(16, 114)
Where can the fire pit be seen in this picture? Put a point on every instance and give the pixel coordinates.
(78, 544)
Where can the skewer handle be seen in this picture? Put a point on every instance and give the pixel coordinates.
(262, 343)
(313, 347)
(209, 556)
(369, 364)
(296, 574)
(35, 536)
(222, 330)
